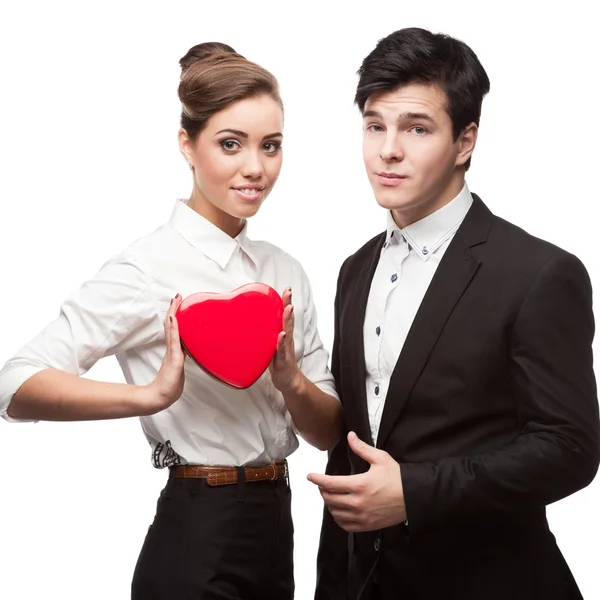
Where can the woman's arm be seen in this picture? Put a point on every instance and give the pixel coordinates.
(114, 311)
(317, 414)
(53, 395)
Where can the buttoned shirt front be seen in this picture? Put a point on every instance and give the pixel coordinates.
(121, 310)
(407, 263)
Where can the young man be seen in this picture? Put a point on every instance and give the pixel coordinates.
(462, 356)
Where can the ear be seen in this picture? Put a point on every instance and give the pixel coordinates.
(466, 140)
(186, 147)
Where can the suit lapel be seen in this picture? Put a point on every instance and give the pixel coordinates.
(451, 279)
(357, 413)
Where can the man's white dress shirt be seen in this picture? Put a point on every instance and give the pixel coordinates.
(121, 311)
(409, 258)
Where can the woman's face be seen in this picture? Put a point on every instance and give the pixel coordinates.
(236, 161)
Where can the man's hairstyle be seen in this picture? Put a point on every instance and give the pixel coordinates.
(416, 55)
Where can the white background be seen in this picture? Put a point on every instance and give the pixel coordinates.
(89, 162)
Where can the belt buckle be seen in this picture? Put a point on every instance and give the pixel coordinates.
(286, 472)
(274, 476)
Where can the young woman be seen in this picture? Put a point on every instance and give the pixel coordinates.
(207, 541)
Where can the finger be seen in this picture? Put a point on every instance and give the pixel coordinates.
(350, 525)
(288, 321)
(365, 451)
(343, 514)
(339, 501)
(280, 354)
(338, 484)
(176, 348)
(292, 319)
(166, 328)
(173, 305)
(172, 327)
(287, 297)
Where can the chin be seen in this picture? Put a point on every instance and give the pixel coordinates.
(247, 211)
(390, 203)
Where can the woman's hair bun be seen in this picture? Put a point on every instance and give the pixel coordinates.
(213, 77)
(205, 51)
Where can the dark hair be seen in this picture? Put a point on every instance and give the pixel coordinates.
(213, 76)
(416, 55)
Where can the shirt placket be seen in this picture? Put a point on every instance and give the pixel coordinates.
(392, 275)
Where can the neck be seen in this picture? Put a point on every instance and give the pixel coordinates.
(225, 222)
(408, 216)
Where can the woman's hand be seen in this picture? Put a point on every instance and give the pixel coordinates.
(167, 386)
(285, 373)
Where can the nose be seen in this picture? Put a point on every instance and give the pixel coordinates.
(391, 149)
(253, 166)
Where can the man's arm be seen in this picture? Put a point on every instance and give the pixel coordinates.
(558, 448)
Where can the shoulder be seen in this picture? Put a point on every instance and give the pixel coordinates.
(525, 251)
(266, 252)
(506, 248)
(516, 263)
(353, 264)
(135, 261)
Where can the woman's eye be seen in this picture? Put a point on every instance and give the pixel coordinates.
(271, 147)
(230, 145)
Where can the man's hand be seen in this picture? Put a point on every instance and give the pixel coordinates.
(368, 501)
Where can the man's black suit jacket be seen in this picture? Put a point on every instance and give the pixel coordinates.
(491, 412)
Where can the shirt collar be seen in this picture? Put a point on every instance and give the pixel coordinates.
(208, 238)
(246, 244)
(428, 234)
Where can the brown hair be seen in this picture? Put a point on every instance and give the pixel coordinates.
(213, 76)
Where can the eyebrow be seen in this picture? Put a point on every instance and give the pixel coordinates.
(406, 116)
(245, 135)
(414, 116)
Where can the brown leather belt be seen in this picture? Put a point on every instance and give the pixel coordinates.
(229, 475)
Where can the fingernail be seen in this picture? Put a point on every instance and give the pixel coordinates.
(352, 436)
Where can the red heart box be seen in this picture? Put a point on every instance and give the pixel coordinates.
(232, 336)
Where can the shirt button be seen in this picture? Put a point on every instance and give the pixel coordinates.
(425, 251)
(377, 544)
(378, 330)
(377, 390)
(394, 277)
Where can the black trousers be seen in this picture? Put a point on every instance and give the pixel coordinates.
(230, 542)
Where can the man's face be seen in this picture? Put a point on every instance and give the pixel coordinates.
(412, 160)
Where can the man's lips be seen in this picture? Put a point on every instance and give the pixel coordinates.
(391, 175)
(390, 179)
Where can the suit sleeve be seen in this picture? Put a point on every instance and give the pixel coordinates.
(332, 557)
(557, 449)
